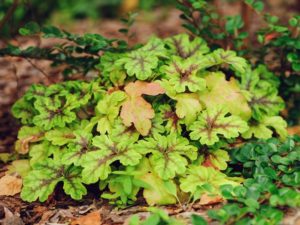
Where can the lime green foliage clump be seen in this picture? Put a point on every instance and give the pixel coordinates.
(158, 121)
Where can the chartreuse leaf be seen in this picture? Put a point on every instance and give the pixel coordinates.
(124, 185)
(72, 183)
(262, 129)
(20, 167)
(199, 176)
(137, 111)
(262, 95)
(168, 154)
(170, 120)
(45, 175)
(182, 46)
(158, 126)
(214, 123)
(23, 110)
(41, 181)
(188, 107)
(52, 112)
(218, 159)
(155, 46)
(264, 103)
(267, 76)
(225, 93)
(156, 193)
(139, 63)
(107, 110)
(221, 56)
(41, 151)
(143, 62)
(110, 69)
(182, 75)
(60, 136)
(96, 164)
(122, 132)
(77, 149)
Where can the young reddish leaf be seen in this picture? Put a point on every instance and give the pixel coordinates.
(135, 109)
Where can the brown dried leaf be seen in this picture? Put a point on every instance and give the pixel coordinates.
(210, 200)
(22, 146)
(10, 185)
(135, 109)
(294, 130)
(92, 218)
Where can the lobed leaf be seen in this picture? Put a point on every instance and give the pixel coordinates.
(96, 164)
(225, 93)
(168, 154)
(137, 111)
(41, 181)
(188, 107)
(182, 46)
(198, 176)
(156, 193)
(182, 75)
(107, 110)
(221, 56)
(169, 119)
(262, 129)
(139, 64)
(215, 122)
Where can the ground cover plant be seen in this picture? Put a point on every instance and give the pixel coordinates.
(160, 122)
(175, 121)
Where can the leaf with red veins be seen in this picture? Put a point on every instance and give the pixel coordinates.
(214, 123)
(182, 75)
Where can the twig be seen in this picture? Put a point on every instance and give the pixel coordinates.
(9, 13)
(40, 70)
(15, 70)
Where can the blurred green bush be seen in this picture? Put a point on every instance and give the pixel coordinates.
(16, 13)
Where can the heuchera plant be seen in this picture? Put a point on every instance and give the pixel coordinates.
(158, 120)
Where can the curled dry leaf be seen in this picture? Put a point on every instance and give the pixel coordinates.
(26, 136)
(209, 200)
(10, 185)
(93, 218)
(293, 130)
(135, 109)
(22, 146)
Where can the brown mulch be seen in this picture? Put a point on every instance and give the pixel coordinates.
(65, 210)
